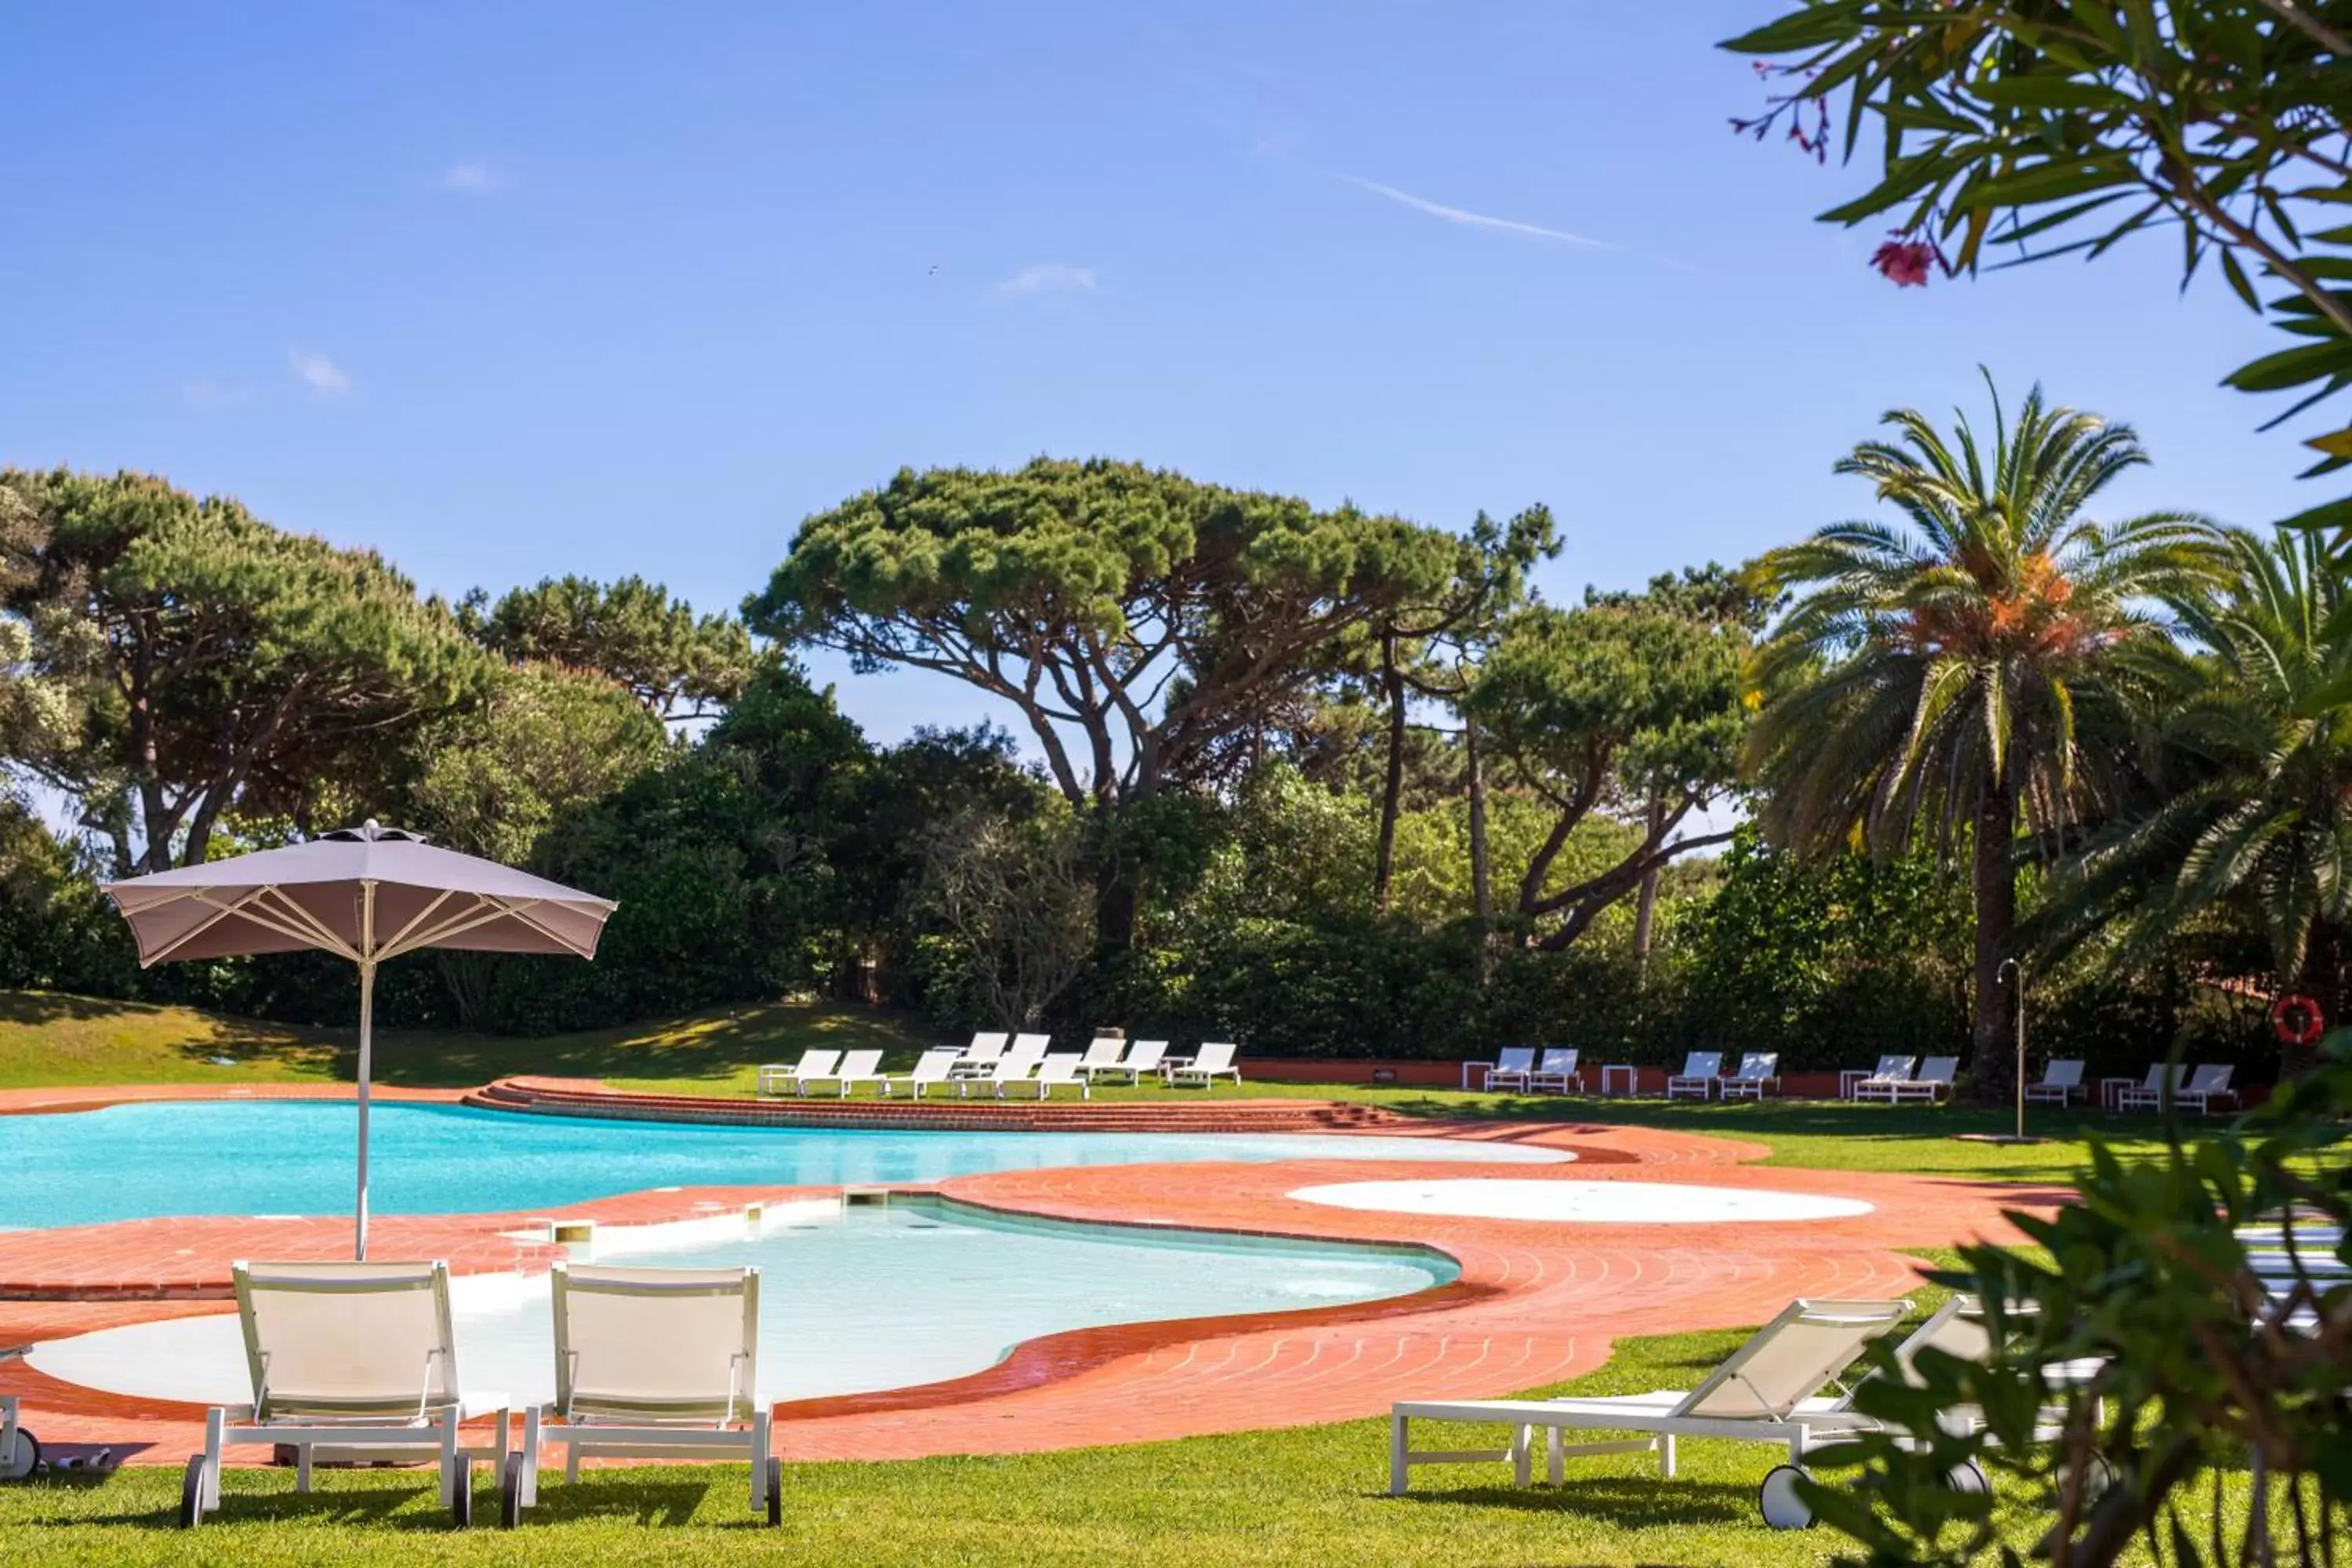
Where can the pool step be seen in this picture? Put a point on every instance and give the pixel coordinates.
(589, 1099)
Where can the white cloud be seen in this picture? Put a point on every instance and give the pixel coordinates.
(319, 373)
(1475, 220)
(1047, 277)
(213, 396)
(471, 179)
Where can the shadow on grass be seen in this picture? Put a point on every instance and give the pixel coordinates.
(1629, 1502)
(714, 1046)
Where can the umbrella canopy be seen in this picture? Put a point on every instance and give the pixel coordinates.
(365, 894)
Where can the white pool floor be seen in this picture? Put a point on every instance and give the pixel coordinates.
(1580, 1203)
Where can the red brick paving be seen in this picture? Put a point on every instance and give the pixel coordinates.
(1536, 1302)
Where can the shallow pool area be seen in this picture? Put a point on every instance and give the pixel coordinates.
(296, 1157)
(850, 1299)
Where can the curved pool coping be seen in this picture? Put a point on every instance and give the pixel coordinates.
(1534, 1303)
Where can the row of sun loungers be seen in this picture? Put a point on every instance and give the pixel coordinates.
(359, 1361)
(1897, 1079)
(1003, 1066)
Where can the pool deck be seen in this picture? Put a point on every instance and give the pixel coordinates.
(1536, 1303)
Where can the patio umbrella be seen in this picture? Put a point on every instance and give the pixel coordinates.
(367, 894)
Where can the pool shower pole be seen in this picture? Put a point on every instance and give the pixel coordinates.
(367, 1030)
(2012, 965)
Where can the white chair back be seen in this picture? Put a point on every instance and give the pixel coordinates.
(1558, 1061)
(1012, 1067)
(1790, 1359)
(656, 1344)
(347, 1339)
(816, 1064)
(2210, 1080)
(1757, 1065)
(1940, 1069)
(2162, 1073)
(1030, 1047)
(1515, 1059)
(1702, 1064)
(1145, 1057)
(985, 1048)
(1217, 1057)
(1103, 1052)
(858, 1064)
(2062, 1075)
(936, 1066)
(1062, 1066)
(1893, 1069)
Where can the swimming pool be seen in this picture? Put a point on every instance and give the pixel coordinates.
(850, 1301)
(274, 1157)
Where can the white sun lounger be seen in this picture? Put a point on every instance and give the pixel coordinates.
(1702, 1072)
(1012, 1067)
(979, 1058)
(857, 1067)
(2062, 1081)
(1512, 1066)
(935, 1066)
(1557, 1071)
(650, 1363)
(1104, 1053)
(1756, 1070)
(20, 1451)
(1213, 1061)
(1769, 1390)
(1142, 1057)
(1933, 1083)
(1889, 1070)
(777, 1077)
(2203, 1087)
(354, 1358)
(1060, 1069)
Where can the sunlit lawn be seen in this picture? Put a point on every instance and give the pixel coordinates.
(1313, 1495)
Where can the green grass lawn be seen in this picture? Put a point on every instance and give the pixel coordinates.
(1313, 1495)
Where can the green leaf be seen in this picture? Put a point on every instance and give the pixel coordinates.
(1807, 29)
(2292, 367)
(2049, 181)
(2336, 514)
(2238, 282)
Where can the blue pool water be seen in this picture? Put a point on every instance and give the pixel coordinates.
(260, 1157)
(849, 1300)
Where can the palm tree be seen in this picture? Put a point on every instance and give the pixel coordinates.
(1947, 669)
(2255, 729)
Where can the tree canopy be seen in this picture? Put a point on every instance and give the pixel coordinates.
(1613, 708)
(679, 665)
(215, 662)
(1131, 616)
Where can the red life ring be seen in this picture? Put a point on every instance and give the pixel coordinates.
(2297, 1020)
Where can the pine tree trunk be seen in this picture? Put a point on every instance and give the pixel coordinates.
(1645, 907)
(1392, 787)
(1482, 884)
(1994, 1066)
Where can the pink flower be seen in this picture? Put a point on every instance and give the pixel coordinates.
(1906, 261)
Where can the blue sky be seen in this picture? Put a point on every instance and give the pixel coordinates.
(518, 291)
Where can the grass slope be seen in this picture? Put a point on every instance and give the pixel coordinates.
(49, 1039)
(1311, 1495)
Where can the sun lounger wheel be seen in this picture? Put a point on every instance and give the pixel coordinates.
(510, 1492)
(20, 1464)
(775, 1492)
(461, 1502)
(1778, 1500)
(2099, 1478)
(1968, 1476)
(194, 1487)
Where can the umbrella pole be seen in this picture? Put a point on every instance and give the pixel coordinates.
(367, 1021)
